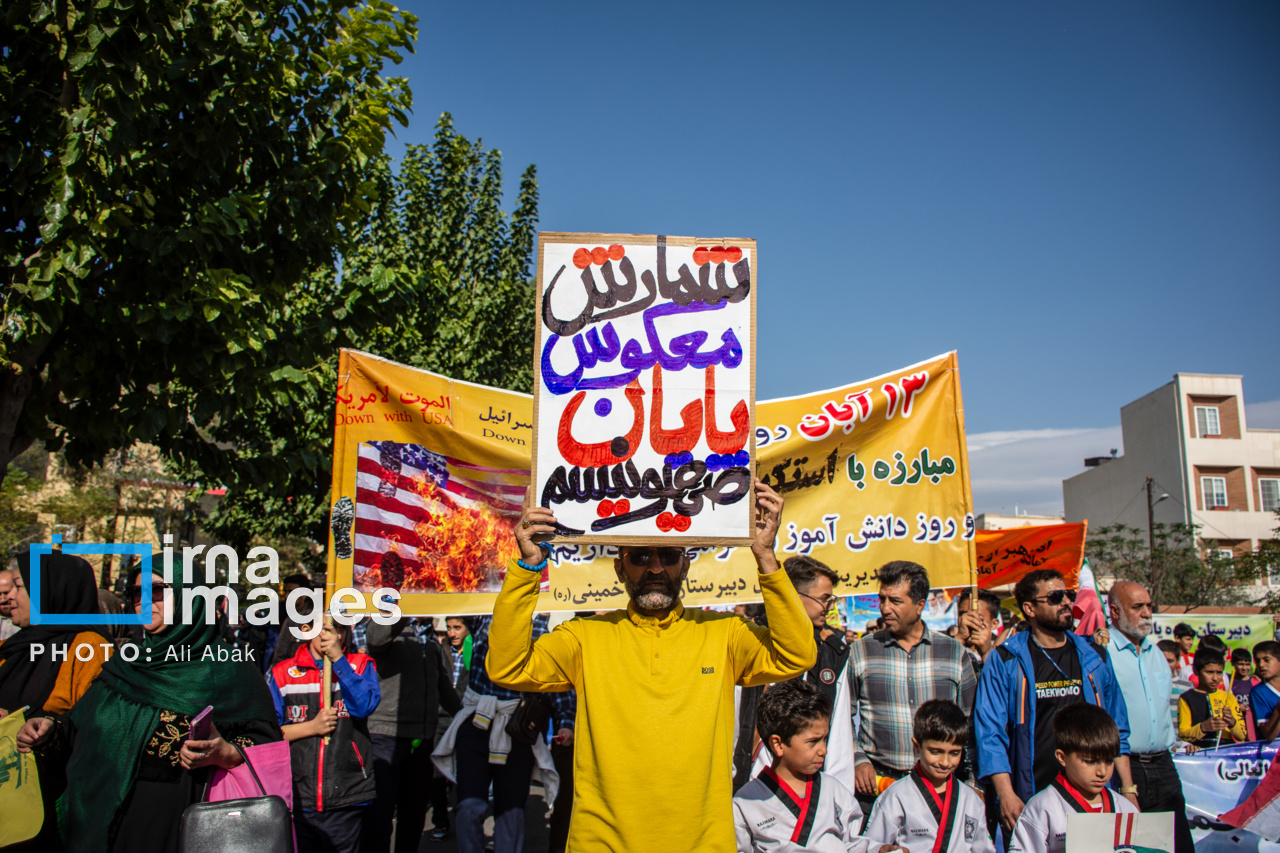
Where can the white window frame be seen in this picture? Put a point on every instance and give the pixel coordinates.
(1262, 493)
(1212, 424)
(1210, 497)
(1224, 554)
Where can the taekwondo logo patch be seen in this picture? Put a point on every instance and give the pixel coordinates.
(827, 675)
(970, 829)
(295, 672)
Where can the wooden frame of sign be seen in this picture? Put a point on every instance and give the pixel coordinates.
(691, 484)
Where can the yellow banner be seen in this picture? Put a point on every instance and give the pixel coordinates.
(20, 800)
(429, 474)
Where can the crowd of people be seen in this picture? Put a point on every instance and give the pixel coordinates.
(652, 727)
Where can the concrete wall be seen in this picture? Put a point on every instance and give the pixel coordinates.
(1114, 492)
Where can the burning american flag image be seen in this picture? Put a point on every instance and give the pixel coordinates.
(427, 523)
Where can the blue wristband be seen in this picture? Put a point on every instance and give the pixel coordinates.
(538, 568)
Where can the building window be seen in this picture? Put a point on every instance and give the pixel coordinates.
(1215, 491)
(1270, 489)
(1224, 554)
(1207, 421)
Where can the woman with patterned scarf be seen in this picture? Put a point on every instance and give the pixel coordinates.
(132, 770)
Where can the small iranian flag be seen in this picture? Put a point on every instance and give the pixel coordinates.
(1260, 813)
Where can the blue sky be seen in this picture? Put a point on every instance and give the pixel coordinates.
(1082, 199)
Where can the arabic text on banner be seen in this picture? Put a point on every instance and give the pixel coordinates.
(429, 474)
(20, 800)
(1238, 632)
(644, 387)
(1004, 556)
(1214, 781)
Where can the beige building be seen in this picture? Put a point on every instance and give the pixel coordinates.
(1207, 467)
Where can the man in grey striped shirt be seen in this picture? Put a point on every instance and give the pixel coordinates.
(894, 671)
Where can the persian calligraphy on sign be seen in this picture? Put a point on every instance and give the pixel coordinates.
(644, 367)
(428, 475)
(1004, 556)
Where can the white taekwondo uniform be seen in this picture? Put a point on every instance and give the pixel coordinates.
(769, 817)
(911, 814)
(1042, 828)
(842, 748)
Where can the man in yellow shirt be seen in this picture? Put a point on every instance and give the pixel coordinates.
(653, 747)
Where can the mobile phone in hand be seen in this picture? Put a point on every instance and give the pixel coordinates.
(202, 725)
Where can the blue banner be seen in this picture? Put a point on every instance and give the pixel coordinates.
(1215, 781)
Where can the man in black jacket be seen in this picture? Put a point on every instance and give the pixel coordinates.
(415, 683)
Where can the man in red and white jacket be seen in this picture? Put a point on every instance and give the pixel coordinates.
(333, 781)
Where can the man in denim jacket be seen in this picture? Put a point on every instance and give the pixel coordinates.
(1025, 682)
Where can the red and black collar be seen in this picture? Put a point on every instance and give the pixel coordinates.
(1077, 800)
(943, 808)
(803, 810)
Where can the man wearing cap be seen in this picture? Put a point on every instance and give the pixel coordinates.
(655, 687)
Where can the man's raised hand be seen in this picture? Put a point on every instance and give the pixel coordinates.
(534, 521)
(768, 520)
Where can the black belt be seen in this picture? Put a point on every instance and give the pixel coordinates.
(1148, 757)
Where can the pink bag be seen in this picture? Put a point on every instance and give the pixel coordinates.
(270, 761)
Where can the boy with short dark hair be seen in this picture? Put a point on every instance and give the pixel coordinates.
(1087, 742)
(1241, 684)
(1265, 697)
(791, 806)
(1185, 638)
(1207, 714)
(1179, 685)
(928, 810)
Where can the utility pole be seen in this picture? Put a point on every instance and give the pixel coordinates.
(1151, 547)
(1151, 550)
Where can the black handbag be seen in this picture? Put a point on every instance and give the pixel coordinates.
(529, 720)
(250, 825)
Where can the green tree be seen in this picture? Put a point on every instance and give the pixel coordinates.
(1263, 564)
(1179, 571)
(19, 524)
(437, 223)
(172, 171)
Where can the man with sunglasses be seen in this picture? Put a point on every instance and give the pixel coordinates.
(653, 745)
(1030, 678)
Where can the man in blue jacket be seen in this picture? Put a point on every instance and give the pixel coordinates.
(1028, 680)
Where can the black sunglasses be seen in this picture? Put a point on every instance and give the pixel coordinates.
(157, 592)
(1055, 598)
(644, 556)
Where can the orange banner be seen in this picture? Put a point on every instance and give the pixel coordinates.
(1004, 556)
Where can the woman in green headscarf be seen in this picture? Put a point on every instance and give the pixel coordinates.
(132, 770)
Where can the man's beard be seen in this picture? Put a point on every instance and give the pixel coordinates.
(647, 596)
(1141, 628)
(1064, 621)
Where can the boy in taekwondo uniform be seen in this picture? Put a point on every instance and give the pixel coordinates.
(791, 805)
(928, 811)
(1087, 742)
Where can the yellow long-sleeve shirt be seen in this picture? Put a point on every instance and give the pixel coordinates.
(1191, 720)
(653, 739)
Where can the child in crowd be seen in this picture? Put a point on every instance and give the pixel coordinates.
(1180, 685)
(329, 747)
(1241, 684)
(928, 803)
(1185, 638)
(1207, 714)
(1087, 742)
(791, 805)
(1265, 697)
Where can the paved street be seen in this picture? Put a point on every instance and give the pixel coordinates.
(535, 840)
